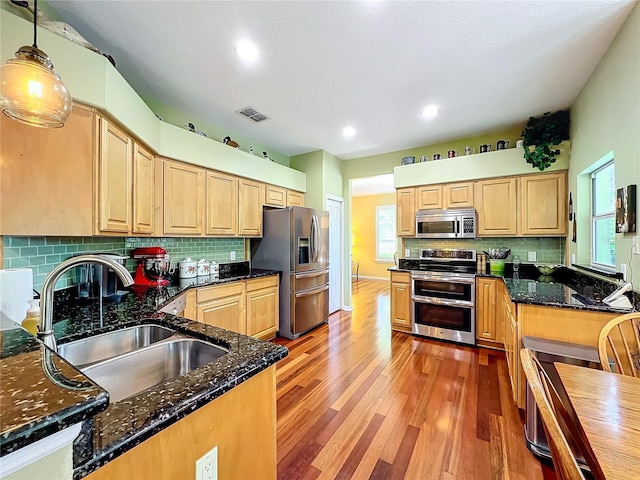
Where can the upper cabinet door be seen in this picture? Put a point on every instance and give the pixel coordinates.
(143, 191)
(495, 201)
(250, 201)
(543, 204)
(275, 196)
(46, 177)
(222, 204)
(429, 196)
(114, 179)
(406, 212)
(295, 199)
(183, 199)
(458, 195)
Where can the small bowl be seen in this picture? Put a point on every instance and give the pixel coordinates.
(547, 269)
(408, 160)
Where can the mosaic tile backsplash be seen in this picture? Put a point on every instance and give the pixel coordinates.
(42, 254)
(548, 249)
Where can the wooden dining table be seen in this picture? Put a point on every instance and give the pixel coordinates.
(607, 406)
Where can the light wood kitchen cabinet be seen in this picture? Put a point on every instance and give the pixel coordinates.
(275, 196)
(542, 204)
(406, 212)
(512, 349)
(222, 204)
(143, 191)
(223, 306)
(495, 201)
(114, 165)
(428, 196)
(250, 200)
(241, 423)
(401, 301)
(250, 307)
(489, 313)
(458, 195)
(295, 199)
(46, 187)
(263, 305)
(183, 199)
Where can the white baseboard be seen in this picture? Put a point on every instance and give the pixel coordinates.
(347, 308)
(369, 277)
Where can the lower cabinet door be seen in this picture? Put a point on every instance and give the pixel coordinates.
(226, 312)
(262, 312)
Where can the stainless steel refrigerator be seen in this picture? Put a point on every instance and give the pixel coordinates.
(295, 240)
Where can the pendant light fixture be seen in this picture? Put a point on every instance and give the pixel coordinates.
(30, 90)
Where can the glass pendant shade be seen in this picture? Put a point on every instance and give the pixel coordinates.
(31, 91)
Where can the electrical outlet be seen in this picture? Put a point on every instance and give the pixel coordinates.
(232, 255)
(573, 259)
(407, 252)
(532, 256)
(634, 242)
(207, 466)
(623, 271)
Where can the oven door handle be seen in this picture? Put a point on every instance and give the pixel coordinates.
(469, 281)
(443, 301)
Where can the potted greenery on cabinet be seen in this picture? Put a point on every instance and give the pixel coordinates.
(542, 134)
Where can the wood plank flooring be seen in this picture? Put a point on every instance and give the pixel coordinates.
(356, 400)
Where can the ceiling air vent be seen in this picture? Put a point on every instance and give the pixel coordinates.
(252, 114)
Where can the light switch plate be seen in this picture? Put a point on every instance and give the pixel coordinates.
(634, 242)
(532, 256)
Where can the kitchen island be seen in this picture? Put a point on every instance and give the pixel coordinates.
(229, 403)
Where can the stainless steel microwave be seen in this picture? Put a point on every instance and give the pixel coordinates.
(454, 223)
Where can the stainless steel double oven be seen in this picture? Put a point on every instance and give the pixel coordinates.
(443, 295)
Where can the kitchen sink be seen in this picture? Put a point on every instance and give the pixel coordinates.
(134, 372)
(108, 345)
(131, 360)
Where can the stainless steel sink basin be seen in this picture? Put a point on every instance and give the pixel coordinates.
(108, 345)
(134, 372)
(131, 360)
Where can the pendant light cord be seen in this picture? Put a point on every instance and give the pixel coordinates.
(35, 24)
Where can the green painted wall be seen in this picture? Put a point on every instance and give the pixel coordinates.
(331, 175)
(179, 118)
(606, 118)
(311, 164)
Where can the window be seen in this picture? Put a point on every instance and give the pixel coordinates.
(603, 221)
(385, 232)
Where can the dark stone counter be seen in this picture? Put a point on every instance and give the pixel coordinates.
(42, 407)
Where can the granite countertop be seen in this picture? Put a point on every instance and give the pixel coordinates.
(566, 288)
(111, 429)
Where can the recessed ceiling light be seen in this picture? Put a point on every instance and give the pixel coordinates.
(247, 51)
(429, 111)
(348, 131)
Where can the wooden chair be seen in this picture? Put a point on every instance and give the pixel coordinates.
(553, 413)
(620, 339)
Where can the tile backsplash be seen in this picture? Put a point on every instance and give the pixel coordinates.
(548, 249)
(42, 254)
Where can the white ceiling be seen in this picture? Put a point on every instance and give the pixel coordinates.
(371, 64)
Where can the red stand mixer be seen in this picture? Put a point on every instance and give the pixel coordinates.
(153, 264)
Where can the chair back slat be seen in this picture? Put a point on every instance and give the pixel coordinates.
(620, 339)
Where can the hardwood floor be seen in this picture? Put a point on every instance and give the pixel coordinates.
(356, 400)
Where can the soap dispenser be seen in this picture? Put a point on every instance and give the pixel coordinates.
(32, 320)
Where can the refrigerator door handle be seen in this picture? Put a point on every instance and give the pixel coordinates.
(314, 238)
(315, 291)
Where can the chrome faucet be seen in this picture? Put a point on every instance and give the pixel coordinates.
(45, 332)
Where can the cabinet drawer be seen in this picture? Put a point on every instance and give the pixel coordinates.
(260, 283)
(219, 291)
(400, 277)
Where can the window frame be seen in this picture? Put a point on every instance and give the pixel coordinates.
(392, 208)
(603, 216)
